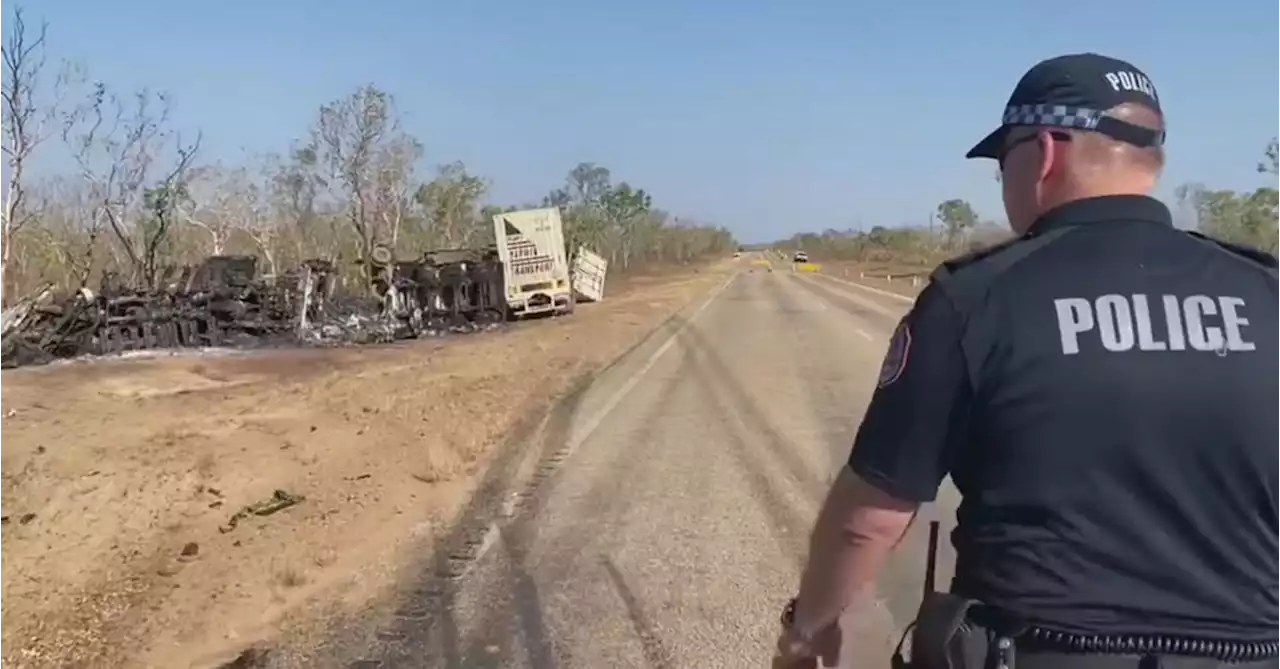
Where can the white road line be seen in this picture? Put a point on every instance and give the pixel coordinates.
(877, 291)
(822, 306)
(595, 420)
(492, 532)
(860, 299)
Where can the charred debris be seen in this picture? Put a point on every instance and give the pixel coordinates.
(223, 302)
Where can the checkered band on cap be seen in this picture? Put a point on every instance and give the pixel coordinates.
(1060, 116)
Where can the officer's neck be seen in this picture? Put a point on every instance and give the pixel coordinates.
(1096, 184)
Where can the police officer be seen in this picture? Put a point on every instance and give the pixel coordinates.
(1102, 390)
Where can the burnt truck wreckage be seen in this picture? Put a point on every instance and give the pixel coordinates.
(222, 302)
(457, 290)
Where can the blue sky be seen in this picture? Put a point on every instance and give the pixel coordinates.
(766, 117)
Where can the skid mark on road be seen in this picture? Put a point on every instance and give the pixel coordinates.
(428, 608)
(590, 424)
(832, 373)
(874, 314)
(747, 412)
(599, 504)
(528, 607)
(579, 429)
(820, 301)
(655, 653)
(789, 525)
(425, 609)
(785, 523)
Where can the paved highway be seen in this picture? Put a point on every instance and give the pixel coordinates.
(672, 525)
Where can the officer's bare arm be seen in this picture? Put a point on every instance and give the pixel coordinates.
(858, 527)
(906, 440)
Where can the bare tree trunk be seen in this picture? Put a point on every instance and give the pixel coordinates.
(271, 261)
(12, 202)
(10, 212)
(23, 129)
(5, 256)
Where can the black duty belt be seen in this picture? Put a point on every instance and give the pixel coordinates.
(1032, 660)
(1081, 661)
(1037, 639)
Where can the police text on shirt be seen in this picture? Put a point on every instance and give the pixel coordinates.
(1169, 323)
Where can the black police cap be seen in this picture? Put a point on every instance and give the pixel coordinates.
(1074, 91)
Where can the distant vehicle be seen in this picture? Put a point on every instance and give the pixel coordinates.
(801, 256)
(737, 254)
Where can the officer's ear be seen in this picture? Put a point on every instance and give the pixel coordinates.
(1053, 153)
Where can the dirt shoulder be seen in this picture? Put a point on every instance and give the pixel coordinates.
(121, 478)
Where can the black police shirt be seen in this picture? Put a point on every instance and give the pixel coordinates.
(1103, 393)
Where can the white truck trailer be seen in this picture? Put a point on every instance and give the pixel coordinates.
(535, 271)
(589, 270)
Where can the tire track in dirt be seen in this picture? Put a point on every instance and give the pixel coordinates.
(516, 542)
(425, 606)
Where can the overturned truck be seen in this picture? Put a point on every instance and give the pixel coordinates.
(222, 302)
(454, 290)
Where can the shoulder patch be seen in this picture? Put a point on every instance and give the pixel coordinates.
(895, 359)
(960, 261)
